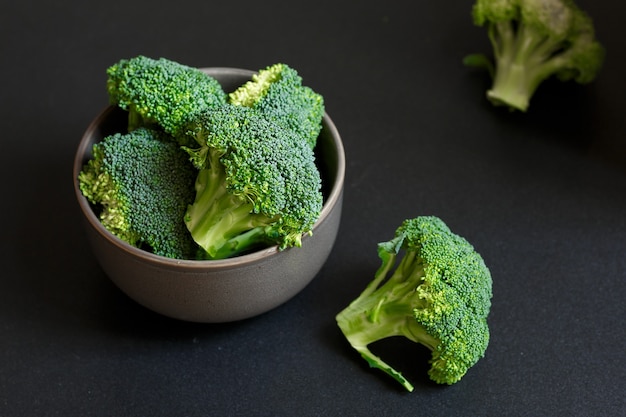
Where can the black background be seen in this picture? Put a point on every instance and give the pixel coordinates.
(541, 195)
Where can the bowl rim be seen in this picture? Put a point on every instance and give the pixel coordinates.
(331, 200)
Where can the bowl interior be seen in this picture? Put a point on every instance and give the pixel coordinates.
(329, 154)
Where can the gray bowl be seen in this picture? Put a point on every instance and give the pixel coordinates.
(221, 290)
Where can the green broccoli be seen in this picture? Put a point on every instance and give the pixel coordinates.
(141, 183)
(277, 92)
(160, 93)
(533, 40)
(439, 295)
(257, 185)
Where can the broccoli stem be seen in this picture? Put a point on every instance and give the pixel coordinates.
(524, 58)
(510, 86)
(137, 120)
(222, 223)
(380, 312)
(360, 332)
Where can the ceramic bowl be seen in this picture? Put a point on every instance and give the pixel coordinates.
(220, 290)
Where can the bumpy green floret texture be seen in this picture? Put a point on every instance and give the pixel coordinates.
(258, 184)
(532, 41)
(438, 295)
(142, 182)
(160, 93)
(278, 93)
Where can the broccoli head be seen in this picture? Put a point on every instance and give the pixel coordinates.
(258, 184)
(438, 295)
(277, 92)
(533, 40)
(160, 93)
(141, 183)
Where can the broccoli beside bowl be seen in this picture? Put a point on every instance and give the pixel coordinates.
(215, 290)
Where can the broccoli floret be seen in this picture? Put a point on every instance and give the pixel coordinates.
(533, 40)
(160, 93)
(141, 183)
(439, 295)
(277, 92)
(258, 185)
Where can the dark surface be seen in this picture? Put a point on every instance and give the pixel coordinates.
(541, 195)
